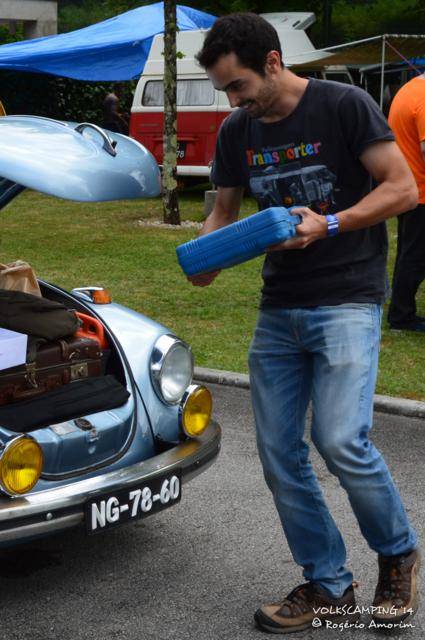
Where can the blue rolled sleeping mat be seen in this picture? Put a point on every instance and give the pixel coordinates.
(237, 242)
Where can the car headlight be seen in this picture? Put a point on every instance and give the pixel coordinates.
(171, 368)
(195, 410)
(21, 462)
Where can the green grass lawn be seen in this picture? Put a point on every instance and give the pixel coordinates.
(75, 244)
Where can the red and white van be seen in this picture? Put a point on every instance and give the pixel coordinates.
(200, 108)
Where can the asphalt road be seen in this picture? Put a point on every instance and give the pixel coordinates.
(200, 569)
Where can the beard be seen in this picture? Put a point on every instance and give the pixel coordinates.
(254, 110)
(260, 106)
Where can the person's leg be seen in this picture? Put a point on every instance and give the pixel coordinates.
(281, 378)
(409, 270)
(345, 368)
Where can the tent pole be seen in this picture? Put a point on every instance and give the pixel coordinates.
(381, 98)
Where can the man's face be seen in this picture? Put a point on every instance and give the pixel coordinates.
(244, 87)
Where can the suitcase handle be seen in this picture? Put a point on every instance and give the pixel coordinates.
(93, 329)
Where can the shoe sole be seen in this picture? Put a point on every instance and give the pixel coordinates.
(263, 623)
(395, 620)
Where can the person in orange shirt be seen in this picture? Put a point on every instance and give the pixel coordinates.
(407, 120)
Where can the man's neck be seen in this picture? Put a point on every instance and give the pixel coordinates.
(289, 91)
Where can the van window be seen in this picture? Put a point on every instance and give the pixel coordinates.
(191, 93)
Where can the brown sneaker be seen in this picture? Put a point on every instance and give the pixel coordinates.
(308, 605)
(396, 595)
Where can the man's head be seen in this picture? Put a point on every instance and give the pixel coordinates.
(247, 35)
(243, 57)
(118, 89)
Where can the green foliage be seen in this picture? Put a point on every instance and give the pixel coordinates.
(6, 36)
(351, 21)
(76, 16)
(55, 97)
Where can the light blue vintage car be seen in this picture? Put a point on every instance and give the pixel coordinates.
(112, 466)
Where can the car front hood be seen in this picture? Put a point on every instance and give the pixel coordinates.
(75, 162)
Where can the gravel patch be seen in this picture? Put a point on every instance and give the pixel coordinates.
(159, 224)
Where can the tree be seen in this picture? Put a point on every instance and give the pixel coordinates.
(169, 166)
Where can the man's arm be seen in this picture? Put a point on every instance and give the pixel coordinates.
(396, 192)
(225, 211)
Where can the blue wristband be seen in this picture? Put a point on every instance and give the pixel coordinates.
(333, 224)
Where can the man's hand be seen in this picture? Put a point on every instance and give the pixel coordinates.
(312, 228)
(203, 279)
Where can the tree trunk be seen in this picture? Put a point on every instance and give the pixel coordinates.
(169, 168)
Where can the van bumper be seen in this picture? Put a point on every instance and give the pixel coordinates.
(188, 170)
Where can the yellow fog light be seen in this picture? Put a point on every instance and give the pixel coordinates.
(20, 465)
(196, 408)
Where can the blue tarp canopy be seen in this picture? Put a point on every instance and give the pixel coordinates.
(115, 49)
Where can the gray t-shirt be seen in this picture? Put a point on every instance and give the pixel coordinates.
(311, 158)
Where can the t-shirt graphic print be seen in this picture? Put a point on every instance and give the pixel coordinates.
(278, 177)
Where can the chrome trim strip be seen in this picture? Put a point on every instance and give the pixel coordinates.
(192, 457)
(188, 170)
(40, 528)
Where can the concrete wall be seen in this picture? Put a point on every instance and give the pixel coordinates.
(39, 17)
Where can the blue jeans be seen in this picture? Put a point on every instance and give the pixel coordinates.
(328, 355)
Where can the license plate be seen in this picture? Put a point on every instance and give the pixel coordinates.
(181, 150)
(139, 501)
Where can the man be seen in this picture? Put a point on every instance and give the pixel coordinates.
(113, 119)
(407, 120)
(317, 335)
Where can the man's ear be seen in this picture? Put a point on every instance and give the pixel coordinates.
(273, 61)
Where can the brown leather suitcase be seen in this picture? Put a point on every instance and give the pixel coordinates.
(56, 363)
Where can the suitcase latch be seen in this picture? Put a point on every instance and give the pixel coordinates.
(31, 374)
(79, 370)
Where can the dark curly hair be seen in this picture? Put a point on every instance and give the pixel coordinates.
(247, 35)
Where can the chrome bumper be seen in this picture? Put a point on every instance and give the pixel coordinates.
(47, 512)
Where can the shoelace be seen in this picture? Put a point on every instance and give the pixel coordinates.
(392, 579)
(300, 597)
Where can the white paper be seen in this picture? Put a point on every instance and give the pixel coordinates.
(13, 348)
